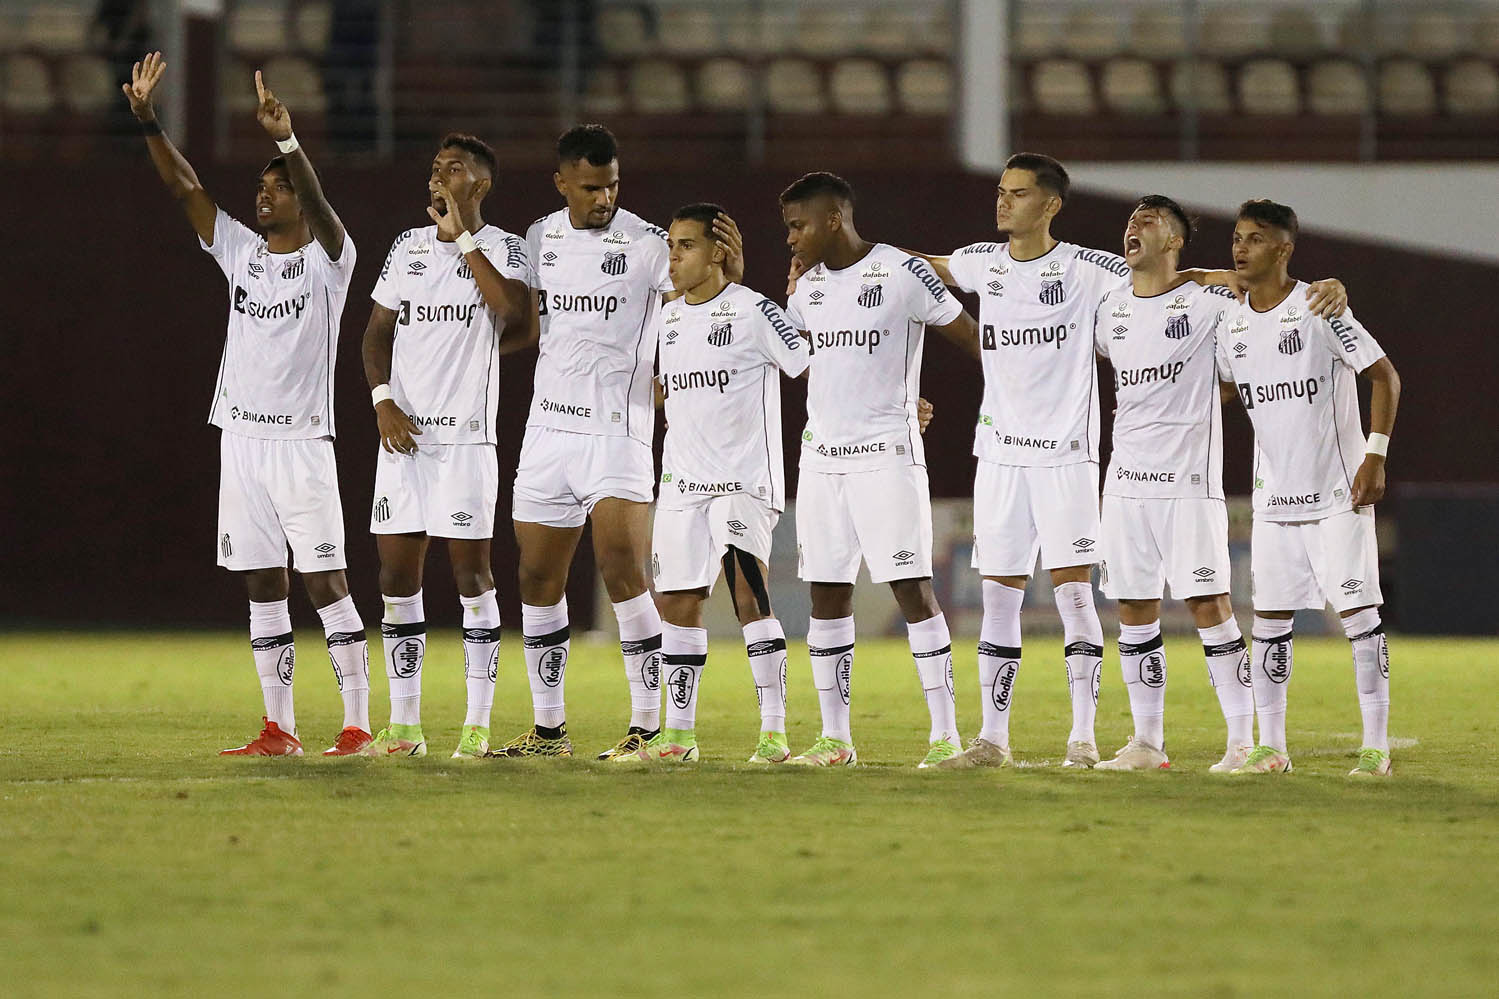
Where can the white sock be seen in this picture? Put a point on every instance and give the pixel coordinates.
(931, 647)
(1271, 675)
(547, 642)
(765, 643)
(999, 658)
(481, 654)
(640, 643)
(830, 645)
(275, 655)
(403, 629)
(684, 653)
(1228, 671)
(1371, 669)
(1082, 635)
(349, 652)
(1142, 659)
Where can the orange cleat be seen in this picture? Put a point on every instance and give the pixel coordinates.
(350, 742)
(270, 742)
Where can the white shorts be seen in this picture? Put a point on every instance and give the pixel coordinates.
(1021, 511)
(562, 475)
(688, 543)
(1313, 563)
(1148, 542)
(275, 495)
(443, 491)
(884, 515)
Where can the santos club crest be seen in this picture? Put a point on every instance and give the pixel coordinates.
(614, 263)
(721, 334)
(1178, 328)
(871, 295)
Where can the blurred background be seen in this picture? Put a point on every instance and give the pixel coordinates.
(1378, 120)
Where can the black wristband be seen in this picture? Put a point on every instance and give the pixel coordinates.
(152, 127)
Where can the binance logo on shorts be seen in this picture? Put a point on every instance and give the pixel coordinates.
(461, 519)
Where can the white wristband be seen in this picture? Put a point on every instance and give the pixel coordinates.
(380, 393)
(289, 145)
(466, 242)
(1378, 444)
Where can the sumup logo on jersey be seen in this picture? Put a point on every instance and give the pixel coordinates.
(871, 295)
(721, 334)
(614, 264)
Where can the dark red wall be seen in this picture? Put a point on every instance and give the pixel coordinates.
(115, 321)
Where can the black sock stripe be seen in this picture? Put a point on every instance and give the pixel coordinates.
(683, 659)
(1378, 629)
(271, 642)
(1223, 649)
(946, 650)
(345, 638)
(1277, 640)
(645, 645)
(481, 634)
(833, 650)
(388, 630)
(1083, 649)
(1149, 645)
(1003, 651)
(557, 637)
(766, 647)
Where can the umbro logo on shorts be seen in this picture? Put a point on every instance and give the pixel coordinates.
(461, 519)
(904, 557)
(325, 550)
(1203, 572)
(1083, 544)
(1352, 585)
(736, 526)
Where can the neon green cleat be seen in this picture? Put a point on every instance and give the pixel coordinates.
(772, 748)
(529, 743)
(828, 752)
(1263, 760)
(398, 740)
(1372, 763)
(473, 744)
(670, 745)
(941, 750)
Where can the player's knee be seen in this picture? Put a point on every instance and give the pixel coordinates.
(831, 601)
(399, 580)
(324, 588)
(916, 599)
(267, 585)
(472, 581)
(1208, 611)
(683, 608)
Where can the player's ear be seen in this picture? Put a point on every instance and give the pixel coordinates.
(481, 188)
(557, 182)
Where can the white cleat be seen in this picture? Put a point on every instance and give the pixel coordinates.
(1137, 755)
(1082, 755)
(1232, 760)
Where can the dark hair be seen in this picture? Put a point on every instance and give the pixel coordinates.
(1267, 212)
(279, 163)
(702, 211)
(1164, 204)
(812, 184)
(474, 146)
(593, 143)
(1050, 174)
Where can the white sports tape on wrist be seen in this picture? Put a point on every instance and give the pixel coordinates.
(289, 145)
(379, 394)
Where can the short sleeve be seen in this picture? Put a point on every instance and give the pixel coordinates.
(779, 340)
(967, 265)
(1349, 342)
(510, 258)
(533, 252)
(794, 313)
(340, 271)
(233, 241)
(387, 288)
(928, 296)
(1100, 340)
(661, 274)
(1220, 353)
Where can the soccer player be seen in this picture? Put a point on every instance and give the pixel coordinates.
(453, 296)
(1316, 478)
(1164, 518)
(1036, 487)
(863, 491)
(278, 484)
(600, 272)
(723, 484)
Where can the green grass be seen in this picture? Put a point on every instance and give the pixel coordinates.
(136, 862)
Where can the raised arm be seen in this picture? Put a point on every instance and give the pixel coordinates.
(508, 298)
(396, 428)
(1369, 481)
(175, 172)
(322, 221)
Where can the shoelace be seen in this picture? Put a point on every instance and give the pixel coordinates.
(1257, 754)
(767, 747)
(348, 738)
(1368, 759)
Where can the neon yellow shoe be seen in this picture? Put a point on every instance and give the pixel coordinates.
(828, 752)
(1372, 763)
(940, 751)
(1263, 760)
(473, 744)
(670, 745)
(398, 740)
(633, 742)
(772, 748)
(529, 743)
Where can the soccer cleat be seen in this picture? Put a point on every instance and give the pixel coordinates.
(270, 742)
(398, 740)
(529, 743)
(980, 753)
(1261, 760)
(473, 744)
(939, 752)
(633, 742)
(772, 748)
(828, 752)
(1083, 755)
(1234, 758)
(670, 745)
(1136, 755)
(350, 742)
(1372, 763)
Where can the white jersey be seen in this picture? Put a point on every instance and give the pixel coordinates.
(1168, 422)
(600, 299)
(445, 368)
(1040, 403)
(1296, 377)
(720, 364)
(276, 376)
(867, 323)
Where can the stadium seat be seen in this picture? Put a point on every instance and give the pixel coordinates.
(297, 82)
(859, 86)
(829, 30)
(924, 86)
(28, 85)
(604, 93)
(1406, 88)
(87, 84)
(237, 87)
(1358, 32)
(1234, 31)
(623, 30)
(312, 27)
(1295, 31)
(658, 87)
(792, 86)
(1035, 32)
(1472, 87)
(12, 19)
(688, 30)
(935, 31)
(1158, 32)
(1132, 86)
(1091, 33)
(754, 32)
(889, 30)
(56, 27)
(1268, 86)
(1485, 38)
(1203, 84)
(1063, 86)
(1433, 34)
(258, 27)
(725, 85)
(1337, 86)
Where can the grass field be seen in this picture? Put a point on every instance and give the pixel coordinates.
(136, 862)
